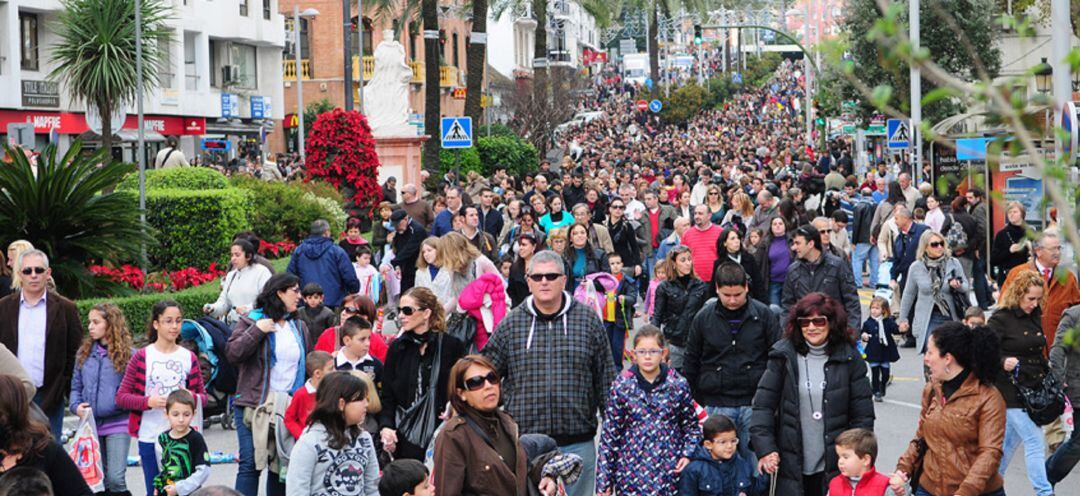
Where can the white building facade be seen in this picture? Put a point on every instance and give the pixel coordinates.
(221, 81)
(571, 34)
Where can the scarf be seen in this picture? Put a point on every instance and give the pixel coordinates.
(936, 268)
(881, 330)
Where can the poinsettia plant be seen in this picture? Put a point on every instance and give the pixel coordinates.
(278, 249)
(341, 151)
(157, 282)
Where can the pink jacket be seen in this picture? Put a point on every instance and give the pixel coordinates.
(472, 301)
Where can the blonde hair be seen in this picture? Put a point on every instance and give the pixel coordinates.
(560, 233)
(19, 246)
(374, 405)
(433, 242)
(924, 243)
(455, 253)
(745, 208)
(1019, 286)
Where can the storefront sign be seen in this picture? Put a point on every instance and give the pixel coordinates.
(230, 105)
(260, 107)
(75, 123)
(40, 94)
(291, 121)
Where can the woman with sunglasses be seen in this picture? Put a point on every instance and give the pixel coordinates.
(936, 288)
(715, 201)
(478, 451)
(624, 236)
(417, 365)
(355, 306)
(814, 388)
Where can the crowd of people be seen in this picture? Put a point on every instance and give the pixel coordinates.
(515, 366)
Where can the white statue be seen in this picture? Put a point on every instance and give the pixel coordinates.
(386, 96)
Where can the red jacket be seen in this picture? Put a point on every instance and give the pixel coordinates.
(872, 483)
(296, 415)
(328, 342)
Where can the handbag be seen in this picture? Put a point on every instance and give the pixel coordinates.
(1045, 402)
(416, 424)
(463, 327)
(917, 465)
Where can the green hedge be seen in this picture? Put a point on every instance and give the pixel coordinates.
(519, 157)
(284, 211)
(137, 308)
(195, 228)
(466, 160)
(193, 178)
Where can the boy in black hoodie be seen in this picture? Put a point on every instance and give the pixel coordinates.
(317, 317)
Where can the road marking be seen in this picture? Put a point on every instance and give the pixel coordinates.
(907, 379)
(904, 403)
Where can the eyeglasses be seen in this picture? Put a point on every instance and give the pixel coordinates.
(33, 270)
(817, 321)
(648, 353)
(550, 276)
(351, 309)
(475, 383)
(937, 244)
(617, 207)
(408, 310)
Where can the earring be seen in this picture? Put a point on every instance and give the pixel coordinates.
(947, 370)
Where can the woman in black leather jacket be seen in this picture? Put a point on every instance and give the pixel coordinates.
(678, 300)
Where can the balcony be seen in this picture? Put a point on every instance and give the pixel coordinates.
(369, 67)
(417, 72)
(288, 69)
(448, 76)
(560, 9)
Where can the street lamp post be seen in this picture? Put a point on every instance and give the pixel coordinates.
(139, 109)
(308, 13)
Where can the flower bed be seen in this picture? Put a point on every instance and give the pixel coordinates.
(157, 282)
(275, 250)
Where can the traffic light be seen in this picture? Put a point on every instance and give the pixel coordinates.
(697, 34)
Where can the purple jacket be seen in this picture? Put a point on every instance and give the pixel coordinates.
(96, 382)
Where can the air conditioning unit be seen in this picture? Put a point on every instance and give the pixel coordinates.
(230, 74)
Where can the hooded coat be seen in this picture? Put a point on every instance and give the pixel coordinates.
(319, 260)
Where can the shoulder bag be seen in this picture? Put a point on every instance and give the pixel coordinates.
(1045, 402)
(416, 423)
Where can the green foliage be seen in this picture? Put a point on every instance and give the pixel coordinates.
(196, 227)
(878, 55)
(760, 69)
(720, 89)
(499, 130)
(520, 157)
(320, 189)
(283, 211)
(468, 161)
(312, 113)
(64, 212)
(137, 308)
(194, 178)
(685, 103)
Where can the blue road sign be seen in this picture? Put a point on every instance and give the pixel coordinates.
(899, 133)
(655, 106)
(736, 78)
(456, 132)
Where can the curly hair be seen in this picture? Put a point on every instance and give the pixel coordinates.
(1019, 286)
(428, 301)
(117, 339)
(819, 304)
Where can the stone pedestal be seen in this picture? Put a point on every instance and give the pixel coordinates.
(399, 156)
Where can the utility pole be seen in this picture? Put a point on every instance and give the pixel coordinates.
(1061, 40)
(809, 73)
(346, 16)
(916, 93)
(140, 149)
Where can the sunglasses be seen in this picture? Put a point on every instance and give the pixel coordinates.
(33, 270)
(351, 310)
(409, 310)
(617, 207)
(475, 383)
(818, 321)
(937, 244)
(550, 276)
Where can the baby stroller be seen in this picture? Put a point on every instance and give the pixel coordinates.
(207, 337)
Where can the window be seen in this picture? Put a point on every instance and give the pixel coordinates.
(455, 48)
(215, 65)
(266, 9)
(243, 58)
(244, 8)
(305, 40)
(28, 32)
(412, 45)
(191, 70)
(165, 72)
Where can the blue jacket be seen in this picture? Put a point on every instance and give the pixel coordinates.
(95, 382)
(705, 476)
(904, 249)
(444, 223)
(318, 259)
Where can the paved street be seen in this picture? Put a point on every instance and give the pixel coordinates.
(895, 425)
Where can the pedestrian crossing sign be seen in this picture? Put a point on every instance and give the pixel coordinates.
(899, 133)
(456, 132)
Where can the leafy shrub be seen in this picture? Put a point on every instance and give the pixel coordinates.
(137, 308)
(519, 157)
(319, 188)
(468, 161)
(499, 130)
(685, 103)
(282, 211)
(193, 178)
(195, 227)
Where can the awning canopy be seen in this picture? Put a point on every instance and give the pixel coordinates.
(125, 135)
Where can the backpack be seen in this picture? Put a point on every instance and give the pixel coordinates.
(956, 236)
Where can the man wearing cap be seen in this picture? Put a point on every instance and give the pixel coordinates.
(406, 239)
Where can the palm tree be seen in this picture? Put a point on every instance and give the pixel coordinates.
(64, 211)
(475, 62)
(95, 57)
(432, 112)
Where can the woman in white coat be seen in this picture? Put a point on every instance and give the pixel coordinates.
(240, 286)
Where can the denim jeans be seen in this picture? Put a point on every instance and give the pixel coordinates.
(1020, 428)
(924, 492)
(247, 478)
(741, 416)
(617, 339)
(586, 484)
(1064, 459)
(149, 462)
(865, 253)
(56, 417)
(114, 452)
(776, 290)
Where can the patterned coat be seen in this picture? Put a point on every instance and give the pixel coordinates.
(645, 434)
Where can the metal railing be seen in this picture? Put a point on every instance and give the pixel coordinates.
(288, 69)
(369, 67)
(448, 76)
(418, 73)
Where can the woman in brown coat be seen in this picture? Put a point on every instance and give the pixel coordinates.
(478, 452)
(963, 417)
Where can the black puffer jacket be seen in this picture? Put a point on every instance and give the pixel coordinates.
(676, 303)
(724, 368)
(775, 424)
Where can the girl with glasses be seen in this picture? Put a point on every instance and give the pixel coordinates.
(417, 366)
(936, 289)
(650, 428)
(814, 388)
